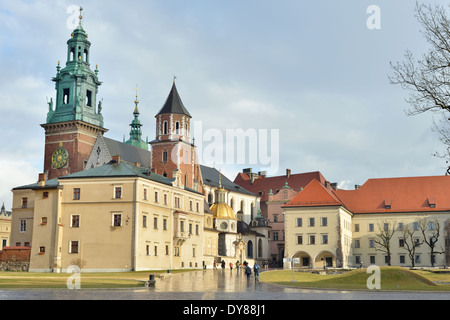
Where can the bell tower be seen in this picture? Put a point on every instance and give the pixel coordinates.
(172, 150)
(74, 119)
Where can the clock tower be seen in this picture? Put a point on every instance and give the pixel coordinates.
(74, 119)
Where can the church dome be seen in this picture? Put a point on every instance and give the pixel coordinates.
(222, 211)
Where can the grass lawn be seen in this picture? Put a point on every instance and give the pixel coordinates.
(19, 280)
(391, 278)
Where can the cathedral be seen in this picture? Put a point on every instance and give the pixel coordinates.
(108, 205)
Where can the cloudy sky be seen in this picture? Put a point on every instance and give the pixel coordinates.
(310, 72)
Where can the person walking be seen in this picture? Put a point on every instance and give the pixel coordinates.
(248, 272)
(256, 270)
(231, 265)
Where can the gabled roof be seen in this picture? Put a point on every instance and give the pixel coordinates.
(117, 170)
(386, 195)
(314, 194)
(263, 184)
(211, 178)
(408, 194)
(173, 104)
(128, 152)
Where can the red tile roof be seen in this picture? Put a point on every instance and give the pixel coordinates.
(410, 194)
(315, 194)
(264, 184)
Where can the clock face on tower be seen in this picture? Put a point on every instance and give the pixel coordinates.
(59, 158)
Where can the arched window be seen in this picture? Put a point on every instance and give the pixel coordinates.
(250, 249)
(86, 56)
(165, 128)
(177, 127)
(242, 206)
(260, 248)
(210, 199)
(164, 156)
(232, 203)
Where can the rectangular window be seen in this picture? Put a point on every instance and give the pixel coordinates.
(197, 229)
(156, 250)
(182, 226)
(357, 243)
(415, 226)
(23, 225)
(402, 259)
(117, 220)
(73, 247)
(117, 192)
(176, 251)
(324, 222)
(401, 243)
(167, 250)
(356, 227)
(76, 193)
(155, 223)
(371, 243)
(75, 221)
(371, 227)
(41, 250)
(177, 202)
(45, 195)
(275, 235)
(299, 222)
(147, 250)
(156, 196)
(197, 207)
(417, 258)
(164, 224)
(145, 193)
(144, 221)
(372, 259)
(299, 239)
(24, 203)
(400, 226)
(311, 222)
(165, 199)
(44, 220)
(324, 239)
(312, 239)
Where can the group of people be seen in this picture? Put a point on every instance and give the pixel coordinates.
(245, 266)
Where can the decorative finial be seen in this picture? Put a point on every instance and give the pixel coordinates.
(220, 180)
(174, 78)
(80, 16)
(136, 101)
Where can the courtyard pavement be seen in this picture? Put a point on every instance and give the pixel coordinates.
(220, 284)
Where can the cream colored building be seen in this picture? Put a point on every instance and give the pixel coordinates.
(5, 227)
(327, 227)
(116, 217)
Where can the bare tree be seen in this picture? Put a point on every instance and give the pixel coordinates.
(386, 230)
(430, 230)
(447, 241)
(411, 243)
(428, 79)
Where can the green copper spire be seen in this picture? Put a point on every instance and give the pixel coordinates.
(76, 84)
(136, 132)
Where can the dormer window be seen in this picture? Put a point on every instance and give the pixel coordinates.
(387, 204)
(432, 202)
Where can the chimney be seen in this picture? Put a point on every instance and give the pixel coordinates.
(288, 173)
(357, 186)
(42, 181)
(262, 174)
(116, 159)
(334, 185)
